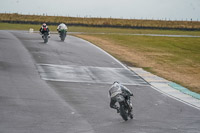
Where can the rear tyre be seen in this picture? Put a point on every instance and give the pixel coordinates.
(62, 38)
(123, 112)
(62, 35)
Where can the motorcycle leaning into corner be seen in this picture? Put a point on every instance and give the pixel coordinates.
(120, 100)
(125, 107)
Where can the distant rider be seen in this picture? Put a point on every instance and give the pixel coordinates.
(116, 89)
(61, 27)
(44, 28)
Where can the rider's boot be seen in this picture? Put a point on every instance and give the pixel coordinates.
(118, 110)
(131, 115)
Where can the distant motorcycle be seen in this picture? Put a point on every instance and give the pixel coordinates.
(125, 107)
(45, 37)
(63, 34)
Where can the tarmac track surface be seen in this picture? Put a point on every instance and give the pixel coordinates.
(62, 87)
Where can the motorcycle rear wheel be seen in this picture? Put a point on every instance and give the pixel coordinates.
(123, 112)
(62, 35)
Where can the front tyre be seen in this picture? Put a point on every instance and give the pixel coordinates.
(45, 37)
(45, 40)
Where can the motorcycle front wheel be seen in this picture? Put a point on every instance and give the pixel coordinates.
(45, 37)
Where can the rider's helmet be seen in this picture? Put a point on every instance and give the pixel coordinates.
(116, 82)
(116, 85)
(44, 25)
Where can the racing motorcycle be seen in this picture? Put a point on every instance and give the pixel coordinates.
(63, 34)
(125, 107)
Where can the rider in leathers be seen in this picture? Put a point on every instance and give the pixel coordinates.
(61, 26)
(116, 89)
(44, 28)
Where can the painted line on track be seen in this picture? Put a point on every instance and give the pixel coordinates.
(88, 74)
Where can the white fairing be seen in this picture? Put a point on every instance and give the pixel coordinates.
(115, 94)
(62, 27)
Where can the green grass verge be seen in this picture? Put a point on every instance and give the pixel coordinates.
(180, 48)
(131, 31)
(170, 50)
(8, 26)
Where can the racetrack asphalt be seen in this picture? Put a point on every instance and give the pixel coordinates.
(62, 87)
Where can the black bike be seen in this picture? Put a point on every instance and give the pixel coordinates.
(125, 107)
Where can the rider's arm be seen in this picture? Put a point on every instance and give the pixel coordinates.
(58, 27)
(66, 27)
(109, 93)
(127, 90)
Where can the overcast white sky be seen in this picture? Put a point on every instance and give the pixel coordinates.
(145, 9)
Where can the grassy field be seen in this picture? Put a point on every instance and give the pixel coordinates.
(174, 58)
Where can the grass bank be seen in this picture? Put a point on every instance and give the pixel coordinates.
(101, 22)
(174, 58)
